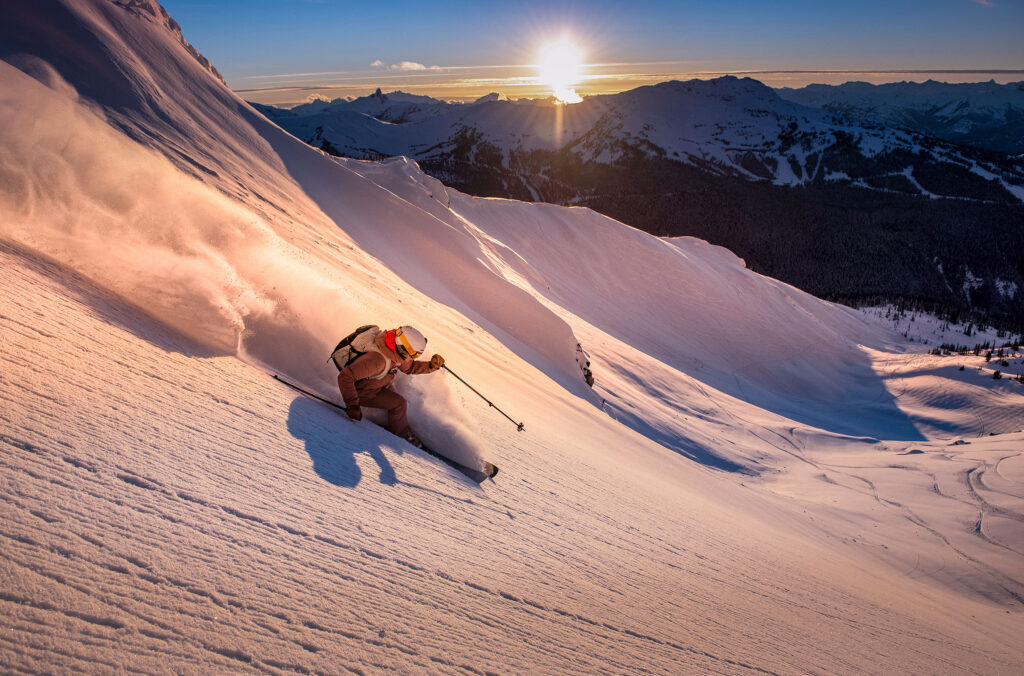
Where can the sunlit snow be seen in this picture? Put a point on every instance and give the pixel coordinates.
(760, 481)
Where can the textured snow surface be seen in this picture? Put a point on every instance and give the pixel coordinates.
(168, 510)
(759, 482)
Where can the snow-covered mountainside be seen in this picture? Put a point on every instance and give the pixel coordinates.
(731, 126)
(760, 481)
(981, 114)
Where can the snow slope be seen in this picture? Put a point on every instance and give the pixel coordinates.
(168, 507)
(168, 510)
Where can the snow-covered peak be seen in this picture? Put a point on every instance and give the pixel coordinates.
(727, 88)
(395, 107)
(493, 96)
(399, 95)
(685, 107)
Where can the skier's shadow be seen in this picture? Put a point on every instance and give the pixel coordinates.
(332, 443)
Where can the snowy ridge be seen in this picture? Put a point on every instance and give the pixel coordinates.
(168, 506)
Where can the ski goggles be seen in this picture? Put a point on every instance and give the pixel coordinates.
(403, 343)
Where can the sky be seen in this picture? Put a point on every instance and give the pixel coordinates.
(286, 52)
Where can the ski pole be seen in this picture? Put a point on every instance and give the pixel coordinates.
(519, 426)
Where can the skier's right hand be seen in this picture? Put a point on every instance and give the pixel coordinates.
(354, 412)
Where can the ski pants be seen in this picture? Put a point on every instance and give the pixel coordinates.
(394, 404)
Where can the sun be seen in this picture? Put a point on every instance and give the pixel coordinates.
(561, 68)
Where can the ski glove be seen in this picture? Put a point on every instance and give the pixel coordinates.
(436, 362)
(354, 412)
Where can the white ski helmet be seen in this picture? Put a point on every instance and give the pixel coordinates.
(410, 342)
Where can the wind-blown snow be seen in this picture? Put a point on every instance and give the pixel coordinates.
(126, 217)
(166, 506)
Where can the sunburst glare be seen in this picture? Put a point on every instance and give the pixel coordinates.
(560, 67)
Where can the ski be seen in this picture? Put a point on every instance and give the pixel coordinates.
(476, 475)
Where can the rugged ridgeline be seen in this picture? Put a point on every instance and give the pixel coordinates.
(845, 208)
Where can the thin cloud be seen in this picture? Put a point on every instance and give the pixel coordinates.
(279, 76)
(380, 64)
(273, 90)
(491, 82)
(411, 65)
(984, 3)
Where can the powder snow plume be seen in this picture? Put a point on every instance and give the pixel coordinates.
(440, 419)
(124, 216)
(208, 265)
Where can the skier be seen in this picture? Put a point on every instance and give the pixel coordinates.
(367, 380)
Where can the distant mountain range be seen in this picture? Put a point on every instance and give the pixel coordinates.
(855, 198)
(981, 114)
(727, 126)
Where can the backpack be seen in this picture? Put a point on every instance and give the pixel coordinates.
(354, 345)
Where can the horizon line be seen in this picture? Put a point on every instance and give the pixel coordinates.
(908, 71)
(458, 87)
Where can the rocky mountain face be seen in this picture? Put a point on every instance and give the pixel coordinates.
(855, 210)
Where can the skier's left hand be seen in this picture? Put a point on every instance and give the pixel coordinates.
(436, 362)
